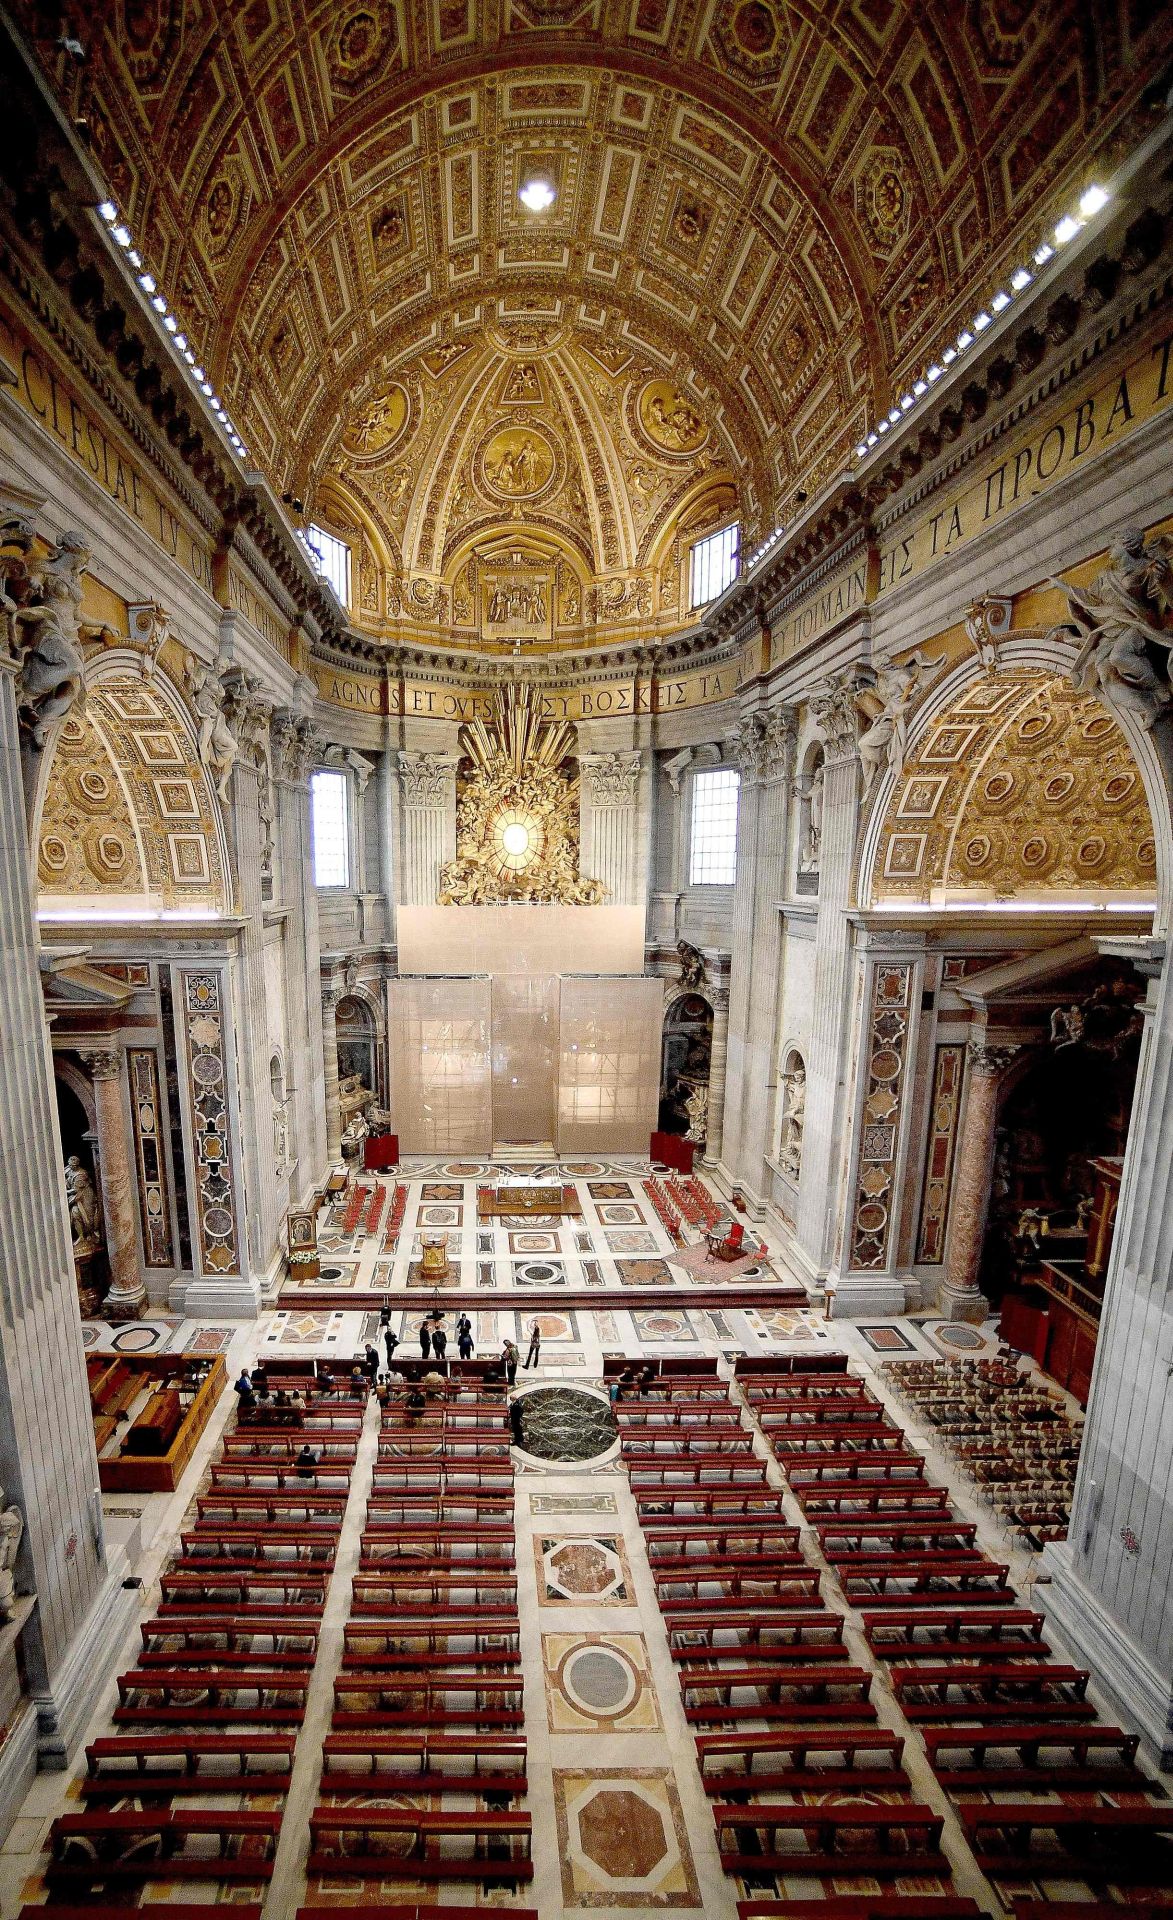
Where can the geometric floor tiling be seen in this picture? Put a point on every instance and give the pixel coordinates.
(621, 1838)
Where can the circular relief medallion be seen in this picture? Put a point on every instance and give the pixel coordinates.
(218, 1222)
(208, 1069)
(1097, 726)
(111, 854)
(1035, 851)
(517, 463)
(1034, 726)
(94, 786)
(54, 852)
(977, 850)
(1092, 851)
(1119, 787)
(1058, 787)
(885, 1064)
(1146, 854)
(669, 419)
(377, 423)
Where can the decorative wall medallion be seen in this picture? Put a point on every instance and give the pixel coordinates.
(518, 463)
(669, 420)
(143, 1070)
(934, 1207)
(378, 423)
(215, 1205)
(880, 1130)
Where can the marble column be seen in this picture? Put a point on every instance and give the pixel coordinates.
(428, 784)
(973, 1172)
(609, 837)
(330, 998)
(128, 1294)
(765, 753)
(48, 1465)
(294, 747)
(1110, 1598)
(718, 1060)
(826, 1123)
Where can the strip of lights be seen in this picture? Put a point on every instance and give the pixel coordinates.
(1092, 202)
(122, 237)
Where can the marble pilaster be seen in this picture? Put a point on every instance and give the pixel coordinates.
(127, 1296)
(718, 1067)
(330, 998)
(428, 787)
(293, 747)
(609, 841)
(973, 1170)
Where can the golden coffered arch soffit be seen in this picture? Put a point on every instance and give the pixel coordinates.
(774, 208)
(1022, 788)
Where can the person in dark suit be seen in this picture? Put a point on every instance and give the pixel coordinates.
(439, 1342)
(464, 1336)
(425, 1340)
(390, 1341)
(372, 1362)
(510, 1354)
(535, 1344)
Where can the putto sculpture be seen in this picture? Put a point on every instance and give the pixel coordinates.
(1120, 623)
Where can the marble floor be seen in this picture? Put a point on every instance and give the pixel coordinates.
(620, 1819)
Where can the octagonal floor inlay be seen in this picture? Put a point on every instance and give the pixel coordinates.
(622, 1839)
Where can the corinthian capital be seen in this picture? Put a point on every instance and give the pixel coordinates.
(991, 1061)
(104, 1063)
(425, 777)
(611, 778)
(835, 712)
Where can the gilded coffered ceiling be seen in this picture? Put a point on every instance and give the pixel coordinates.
(768, 214)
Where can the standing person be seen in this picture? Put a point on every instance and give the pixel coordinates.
(372, 1362)
(439, 1342)
(535, 1344)
(425, 1340)
(243, 1389)
(511, 1354)
(464, 1336)
(390, 1341)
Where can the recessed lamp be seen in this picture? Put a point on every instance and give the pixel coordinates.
(905, 402)
(206, 387)
(893, 415)
(108, 212)
(1043, 253)
(537, 192)
(170, 322)
(197, 373)
(147, 282)
(122, 235)
(189, 356)
(135, 258)
(180, 342)
(872, 438)
(982, 322)
(883, 426)
(861, 450)
(1092, 200)
(919, 387)
(1067, 229)
(1000, 301)
(934, 373)
(159, 304)
(964, 340)
(949, 356)
(1020, 279)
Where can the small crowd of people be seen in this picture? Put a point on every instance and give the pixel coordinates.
(630, 1382)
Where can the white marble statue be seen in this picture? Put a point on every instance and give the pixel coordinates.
(11, 1535)
(885, 703)
(793, 1115)
(354, 1134)
(697, 1109)
(218, 745)
(812, 838)
(1118, 620)
(51, 678)
(84, 1214)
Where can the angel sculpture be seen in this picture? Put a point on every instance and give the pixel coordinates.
(1117, 619)
(218, 745)
(885, 705)
(51, 674)
(11, 1534)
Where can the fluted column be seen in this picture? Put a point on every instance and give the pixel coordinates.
(48, 1464)
(428, 784)
(128, 1294)
(825, 1125)
(765, 751)
(972, 1176)
(718, 1067)
(608, 813)
(293, 752)
(330, 998)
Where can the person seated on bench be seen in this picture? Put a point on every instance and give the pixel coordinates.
(360, 1384)
(295, 1401)
(306, 1462)
(621, 1386)
(416, 1402)
(435, 1385)
(646, 1379)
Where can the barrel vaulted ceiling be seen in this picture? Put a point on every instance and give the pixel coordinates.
(769, 215)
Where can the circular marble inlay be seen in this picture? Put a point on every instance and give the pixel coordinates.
(330, 1273)
(599, 1679)
(562, 1423)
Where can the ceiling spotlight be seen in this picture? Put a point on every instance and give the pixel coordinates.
(1066, 230)
(109, 212)
(537, 192)
(1020, 279)
(1092, 200)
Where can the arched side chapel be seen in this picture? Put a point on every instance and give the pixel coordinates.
(686, 735)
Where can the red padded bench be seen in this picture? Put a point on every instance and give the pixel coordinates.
(91, 1849)
(1086, 1757)
(420, 1845)
(187, 1763)
(826, 1839)
(929, 1634)
(482, 1763)
(803, 1762)
(758, 1626)
(1122, 1844)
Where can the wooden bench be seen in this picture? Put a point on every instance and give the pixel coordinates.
(395, 1910)
(879, 1535)
(257, 1589)
(773, 1627)
(420, 1845)
(413, 1586)
(160, 1696)
(309, 1508)
(227, 1546)
(806, 1444)
(879, 1468)
(991, 1690)
(262, 1476)
(922, 1578)
(485, 1546)
(1121, 1844)
(838, 1413)
(187, 1763)
(107, 1847)
(929, 1633)
(155, 1910)
(776, 1690)
(470, 1633)
(238, 1447)
(773, 1583)
(490, 1764)
(887, 1906)
(235, 1632)
(438, 1475)
(448, 1699)
(827, 1839)
(1086, 1757)
(852, 1499)
(801, 1762)
(666, 1538)
(708, 1503)
(672, 1476)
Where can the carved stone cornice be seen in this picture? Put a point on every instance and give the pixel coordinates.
(612, 778)
(763, 745)
(992, 1061)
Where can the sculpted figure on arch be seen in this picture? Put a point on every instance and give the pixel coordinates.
(51, 673)
(885, 703)
(1118, 620)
